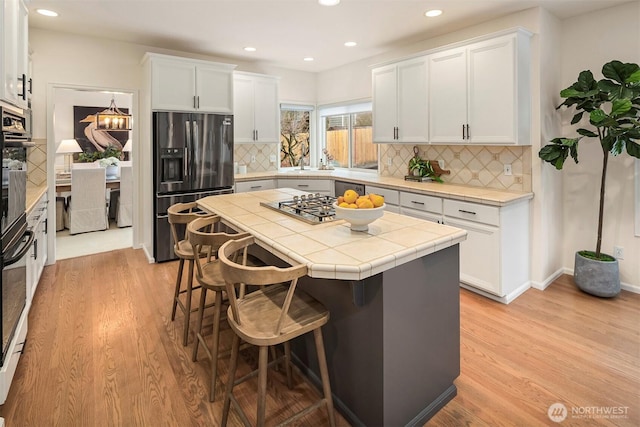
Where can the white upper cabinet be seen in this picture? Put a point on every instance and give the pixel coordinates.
(256, 108)
(14, 57)
(480, 93)
(400, 102)
(181, 84)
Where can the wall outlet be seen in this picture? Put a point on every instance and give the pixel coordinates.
(507, 169)
(272, 158)
(253, 158)
(389, 161)
(618, 252)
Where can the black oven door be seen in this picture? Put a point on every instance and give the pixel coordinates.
(14, 285)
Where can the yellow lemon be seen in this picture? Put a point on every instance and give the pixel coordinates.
(366, 204)
(340, 200)
(376, 199)
(352, 206)
(350, 196)
(343, 205)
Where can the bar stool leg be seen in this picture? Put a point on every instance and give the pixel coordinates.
(177, 291)
(233, 364)
(203, 297)
(324, 374)
(262, 385)
(287, 362)
(187, 305)
(217, 314)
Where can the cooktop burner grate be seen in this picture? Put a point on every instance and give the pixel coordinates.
(311, 208)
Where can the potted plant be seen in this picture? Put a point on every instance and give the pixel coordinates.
(422, 168)
(612, 106)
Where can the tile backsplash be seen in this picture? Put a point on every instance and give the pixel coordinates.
(480, 166)
(37, 163)
(242, 154)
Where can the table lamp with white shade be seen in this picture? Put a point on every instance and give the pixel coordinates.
(127, 149)
(68, 147)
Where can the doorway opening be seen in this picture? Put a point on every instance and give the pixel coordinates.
(67, 104)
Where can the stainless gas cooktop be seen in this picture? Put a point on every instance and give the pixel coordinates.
(310, 208)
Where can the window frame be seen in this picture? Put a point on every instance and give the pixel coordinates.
(312, 109)
(361, 106)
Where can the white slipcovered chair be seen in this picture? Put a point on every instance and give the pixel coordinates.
(124, 215)
(89, 202)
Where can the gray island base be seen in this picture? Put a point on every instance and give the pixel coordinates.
(392, 341)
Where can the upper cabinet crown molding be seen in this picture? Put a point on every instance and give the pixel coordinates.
(183, 84)
(14, 52)
(256, 108)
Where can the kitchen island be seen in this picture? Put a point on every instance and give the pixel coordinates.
(393, 339)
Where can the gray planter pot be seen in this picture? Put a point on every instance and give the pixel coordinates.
(600, 278)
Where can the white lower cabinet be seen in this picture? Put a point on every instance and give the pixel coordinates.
(13, 355)
(421, 206)
(37, 221)
(257, 185)
(322, 186)
(495, 256)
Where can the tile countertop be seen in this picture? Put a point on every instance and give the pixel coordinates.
(486, 196)
(331, 250)
(33, 196)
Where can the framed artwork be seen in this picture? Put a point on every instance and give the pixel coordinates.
(89, 138)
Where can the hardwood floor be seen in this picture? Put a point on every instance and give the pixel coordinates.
(102, 350)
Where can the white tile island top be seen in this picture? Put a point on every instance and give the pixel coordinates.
(332, 250)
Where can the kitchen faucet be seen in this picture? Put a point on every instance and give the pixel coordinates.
(301, 161)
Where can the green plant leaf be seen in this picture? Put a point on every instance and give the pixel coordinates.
(634, 77)
(608, 86)
(620, 106)
(597, 116)
(587, 132)
(577, 118)
(633, 148)
(585, 81)
(618, 71)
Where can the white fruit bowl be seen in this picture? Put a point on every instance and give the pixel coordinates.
(359, 218)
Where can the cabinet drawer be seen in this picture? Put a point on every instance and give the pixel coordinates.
(310, 185)
(472, 212)
(262, 184)
(421, 202)
(391, 197)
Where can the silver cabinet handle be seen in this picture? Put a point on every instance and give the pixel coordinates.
(467, 212)
(194, 102)
(303, 185)
(468, 134)
(198, 102)
(463, 135)
(256, 134)
(417, 203)
(255, 186)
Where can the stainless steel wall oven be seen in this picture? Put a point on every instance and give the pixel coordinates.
(16, 240)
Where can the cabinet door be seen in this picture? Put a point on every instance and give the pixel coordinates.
(492, 91)
(22, 54)
(412, 102)
(8, 58)
(214, 90)
(385, 104)
(266, 111)
(243, 129)
(173, 86)
(447, 96)
(479, 255)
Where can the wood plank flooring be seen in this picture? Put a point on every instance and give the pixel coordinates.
(102, 350)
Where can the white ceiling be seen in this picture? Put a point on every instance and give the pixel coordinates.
(282, 31)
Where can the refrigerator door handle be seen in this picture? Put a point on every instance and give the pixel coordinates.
(185, 156)
(194, 141)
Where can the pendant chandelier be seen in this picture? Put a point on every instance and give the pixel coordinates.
(113, 119)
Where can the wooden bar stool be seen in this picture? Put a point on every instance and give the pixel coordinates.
(210, 279)
(183, 213)
(274, 314)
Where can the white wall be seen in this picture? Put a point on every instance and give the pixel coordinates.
(588, 42)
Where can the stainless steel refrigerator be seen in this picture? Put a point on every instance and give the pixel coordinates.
(193, 158)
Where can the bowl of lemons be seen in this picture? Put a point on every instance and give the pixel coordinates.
(359, 210)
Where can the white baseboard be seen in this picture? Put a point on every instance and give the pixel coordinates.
(549, 280)
(148, 255)
(505, 299)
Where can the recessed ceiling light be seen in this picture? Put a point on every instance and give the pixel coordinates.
(47, 12)
(308, 59)
(433, 13)
(328, 2)
(350, 44)
(250, 49)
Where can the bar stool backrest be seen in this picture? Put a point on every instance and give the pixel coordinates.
(182, 213)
